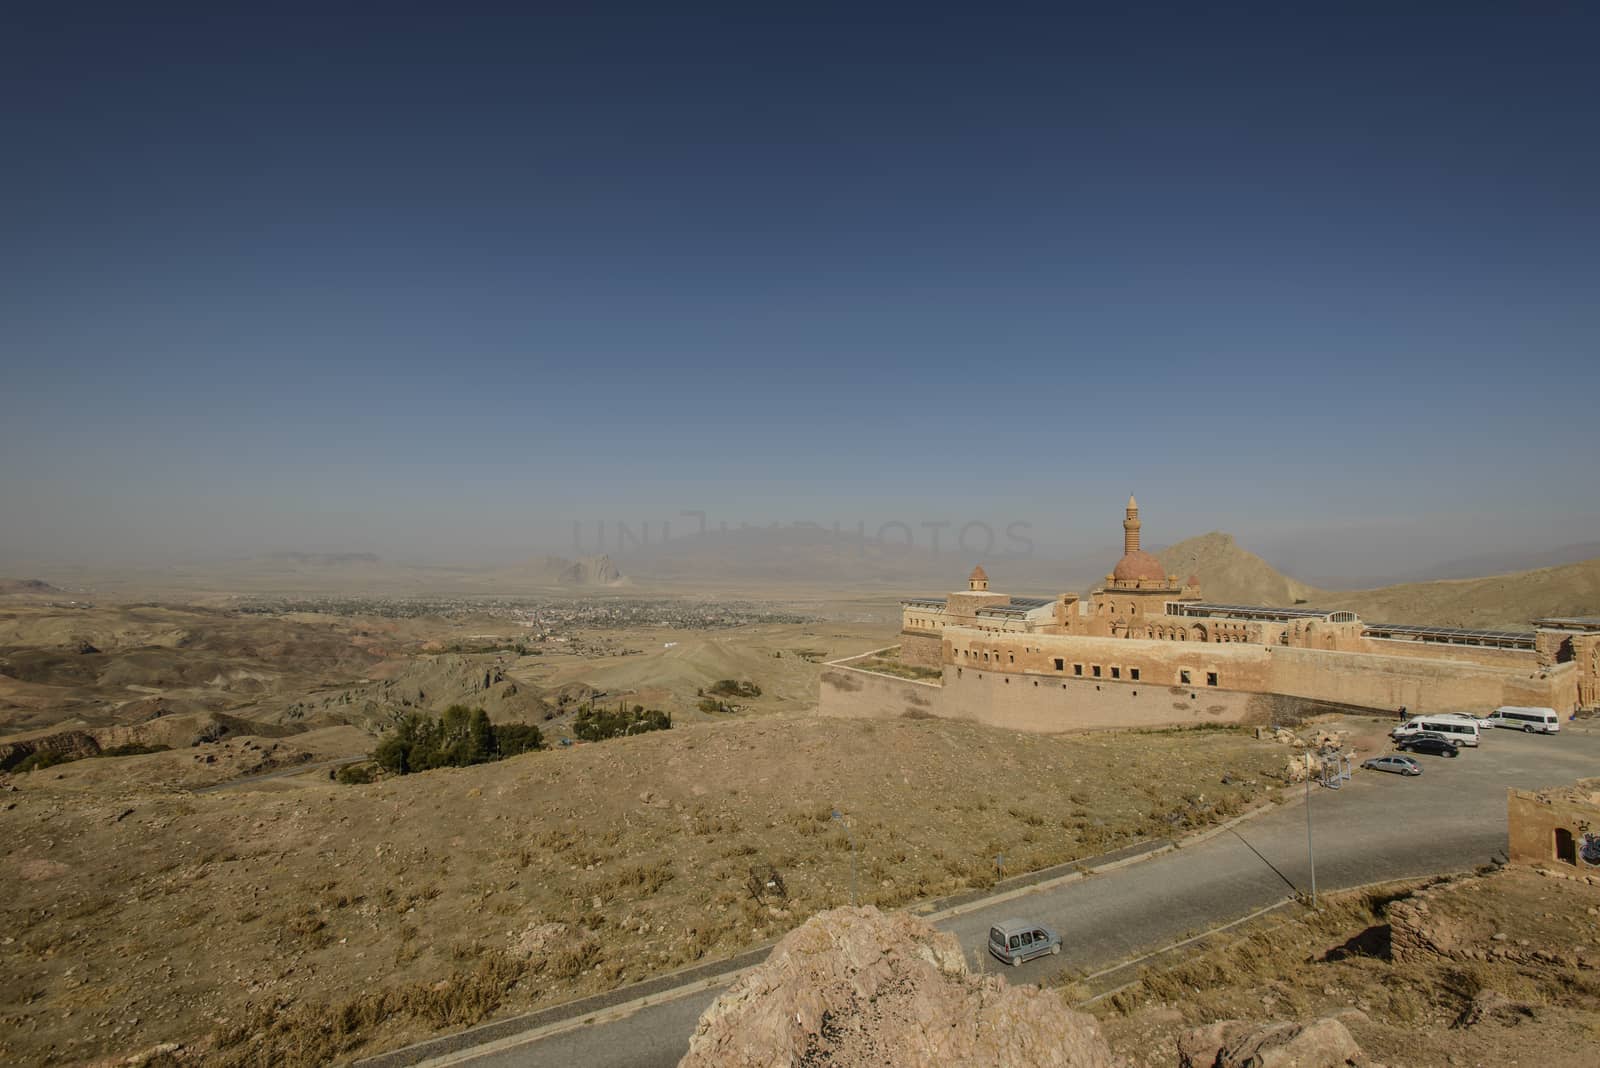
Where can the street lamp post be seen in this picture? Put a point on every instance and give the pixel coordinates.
(1311, 855)
(852, 836)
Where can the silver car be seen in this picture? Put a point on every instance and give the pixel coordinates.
(1015, 941)
(1402, 765)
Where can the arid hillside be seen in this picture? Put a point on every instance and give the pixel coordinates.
(1230, 574)
(1506, 601)
(295, 921)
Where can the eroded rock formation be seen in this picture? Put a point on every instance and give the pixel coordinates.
(855, 986)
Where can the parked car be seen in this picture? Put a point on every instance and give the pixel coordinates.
(1423, 742)
(1401, 765)
(1015, 941)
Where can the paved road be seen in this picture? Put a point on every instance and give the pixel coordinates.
(1378, 827)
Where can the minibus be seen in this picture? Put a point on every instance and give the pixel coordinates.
(1461, 730)
(1532, 720)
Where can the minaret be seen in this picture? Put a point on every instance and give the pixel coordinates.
(1130, 528)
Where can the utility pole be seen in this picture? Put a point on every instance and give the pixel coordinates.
(1310, 851)
(852, 836)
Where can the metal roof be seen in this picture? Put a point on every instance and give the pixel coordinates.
(1447, 635)
(1017, 607)
(1248, 611)
(927, 601)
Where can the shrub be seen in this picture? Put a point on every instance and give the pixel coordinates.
(354, 774)
(734, 688)
(595, 725)
(460, 737)
(132, 749)
(41, 759)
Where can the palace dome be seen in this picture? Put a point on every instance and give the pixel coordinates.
(1139, 565)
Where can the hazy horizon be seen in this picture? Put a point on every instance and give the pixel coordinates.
(439, 289)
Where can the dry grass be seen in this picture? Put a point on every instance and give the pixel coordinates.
(1416, 1011)
(314, 911)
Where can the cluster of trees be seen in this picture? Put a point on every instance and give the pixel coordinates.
(49, 758)
(596, 725)
(734, 688)
(460, 737)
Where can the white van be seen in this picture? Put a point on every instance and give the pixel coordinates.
(1461, 730)
(1532, 720)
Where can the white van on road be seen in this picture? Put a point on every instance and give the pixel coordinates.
(1462, 730)
(1532, 720)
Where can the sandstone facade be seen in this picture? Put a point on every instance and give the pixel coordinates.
(1146, 649)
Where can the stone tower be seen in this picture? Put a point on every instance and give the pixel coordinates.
(1130, 528)
(978, 581)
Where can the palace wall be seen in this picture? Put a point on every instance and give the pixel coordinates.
(1514, 659)
(920, 648)
(852, 693)
(1360, 679)
(1549, 827)
(1035, 703)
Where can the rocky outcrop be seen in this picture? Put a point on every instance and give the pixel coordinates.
(1324, 1043)
(71, 745)
(1420, 930)
(858, 987)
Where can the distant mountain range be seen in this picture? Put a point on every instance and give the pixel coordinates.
(323, 559)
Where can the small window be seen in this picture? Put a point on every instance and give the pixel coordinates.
(1116, 673)
(1013, 657)
(1077, 669)
(1183, 677)
(1061, 664)
(1211, 678)
(1133, 673)
(1096, 670)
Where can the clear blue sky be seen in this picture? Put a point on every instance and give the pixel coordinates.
(437, 286)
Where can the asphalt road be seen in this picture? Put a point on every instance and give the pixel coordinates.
(1379, 827)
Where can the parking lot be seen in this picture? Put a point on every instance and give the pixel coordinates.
(1379, 826)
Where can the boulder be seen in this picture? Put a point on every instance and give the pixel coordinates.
(1495, 1006)
(855, 986)
(1324, 1043)
(545, 939)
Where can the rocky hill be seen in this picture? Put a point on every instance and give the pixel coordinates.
(1496, 601)
(855, 986)
(559, 571)
(1230, 574)
(15, 585)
